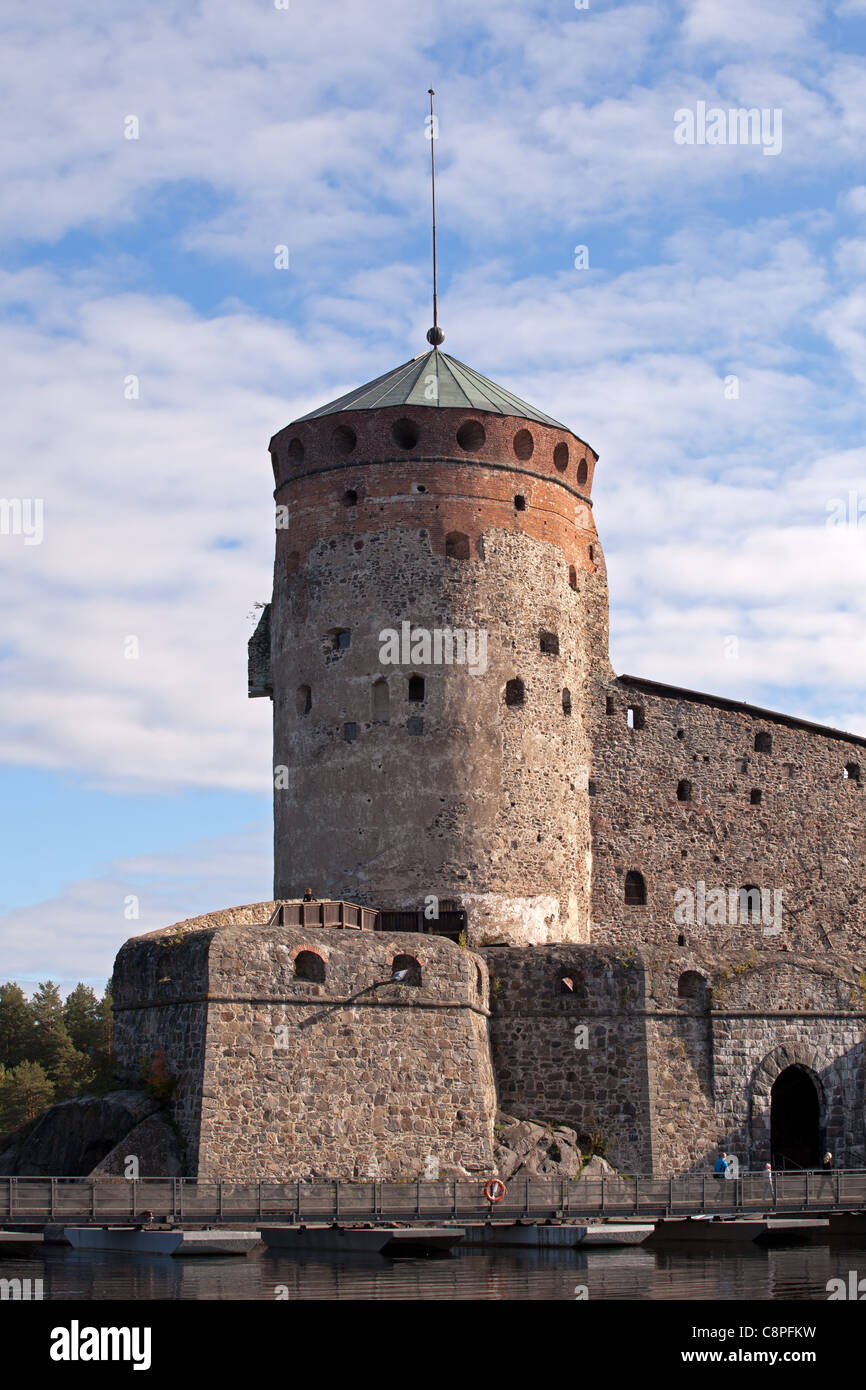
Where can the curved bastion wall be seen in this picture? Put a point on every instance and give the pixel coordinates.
(295, 1055)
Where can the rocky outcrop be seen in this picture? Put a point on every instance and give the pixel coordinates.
(79, 1137)
(524, 1148)
(153, 1143)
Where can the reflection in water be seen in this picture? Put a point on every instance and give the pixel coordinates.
(626, 1273)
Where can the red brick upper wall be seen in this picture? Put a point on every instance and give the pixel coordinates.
(349, 473)
(327, 443)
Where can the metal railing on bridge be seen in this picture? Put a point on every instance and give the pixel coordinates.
(105, 1201)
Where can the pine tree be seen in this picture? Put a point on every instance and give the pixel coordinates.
(25, 1091)
(17, 1034)
(82, 1019)
(66, 1067)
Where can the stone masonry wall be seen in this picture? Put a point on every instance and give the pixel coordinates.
(283, 1077)
(716, 1052)
(160, 987)
(805, 837)
(600, 1082)
(305, 1079)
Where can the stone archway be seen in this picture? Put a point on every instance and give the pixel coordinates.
(795, 1119)
(785, 1058)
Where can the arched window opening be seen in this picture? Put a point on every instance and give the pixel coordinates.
(309, 965)
(635, 889)
(471, 436)
(479, 981)
(592, 554)
(343, 440)
(515, 692)
(548, 642)
(296, 451)
(608, 705)
(381, 701)
(405, 434)
(566, 701)
(852, 772)
(523, 445)
(582, 471)
(457, 545)
(571, 981)
(749, 898)
(350, 497)
(303, 699)
(692, 988)
(520, 502)
(416, 689)
(560, 457)
(684, 790)
(406, 970)
(763, 742)
(572, 576)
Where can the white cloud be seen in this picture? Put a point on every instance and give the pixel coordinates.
(76, 935)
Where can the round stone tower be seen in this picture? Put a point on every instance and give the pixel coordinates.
(436, 638)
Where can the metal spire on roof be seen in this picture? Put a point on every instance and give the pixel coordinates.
(434, 334)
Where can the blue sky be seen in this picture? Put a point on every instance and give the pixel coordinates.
(146, 780)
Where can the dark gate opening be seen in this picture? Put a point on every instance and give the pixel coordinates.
(795, 1120)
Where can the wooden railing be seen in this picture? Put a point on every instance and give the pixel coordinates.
(327, 912)
(102, 1201)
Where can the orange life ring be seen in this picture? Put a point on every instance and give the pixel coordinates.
(494, 1190)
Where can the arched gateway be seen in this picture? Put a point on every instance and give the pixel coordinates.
(795, 1120)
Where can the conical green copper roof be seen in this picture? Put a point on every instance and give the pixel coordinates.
(458, 387)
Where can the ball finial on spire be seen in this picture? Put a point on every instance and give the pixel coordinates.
(435, 335)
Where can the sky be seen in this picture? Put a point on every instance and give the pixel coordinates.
(709, 341)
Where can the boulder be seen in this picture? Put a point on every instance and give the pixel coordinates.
(597, 1167)
(523, 1147)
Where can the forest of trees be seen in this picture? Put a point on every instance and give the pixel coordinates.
(51, 1050)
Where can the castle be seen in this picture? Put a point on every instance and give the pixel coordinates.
(589, 899)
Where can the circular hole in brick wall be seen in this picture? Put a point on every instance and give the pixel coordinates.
(296, 450)
(582, 471)
(524, 444)
(343, 440)
(405, 434)
(350, 497)
(471, 436)
(560, 457)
